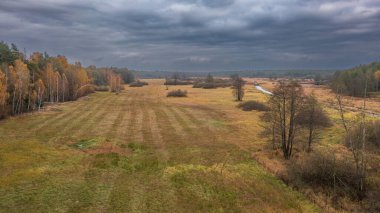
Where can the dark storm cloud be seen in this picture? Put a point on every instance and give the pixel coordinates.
(198, 34)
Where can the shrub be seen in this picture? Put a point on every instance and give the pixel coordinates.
(215, 83)
(177, 93)
(85, 90)
(374, 133)
(204, 85)
(321, 170)
(372, 136)
(178, 82)
(138, 84)
(253, 105)
(101, 88)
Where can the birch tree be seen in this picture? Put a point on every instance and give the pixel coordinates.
(40, 93)
(3, 94)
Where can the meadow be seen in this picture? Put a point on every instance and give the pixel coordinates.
(140, 151)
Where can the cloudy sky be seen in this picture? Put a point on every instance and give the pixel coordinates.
(198, 35)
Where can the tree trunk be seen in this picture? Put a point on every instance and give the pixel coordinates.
(310, 138)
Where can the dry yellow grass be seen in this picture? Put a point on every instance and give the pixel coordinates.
(326, 96)
(140, 151)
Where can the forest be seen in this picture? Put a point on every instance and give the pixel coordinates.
(353, 81)
(27, 83)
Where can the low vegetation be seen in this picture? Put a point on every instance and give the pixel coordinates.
(253, 105)
(372, 135)
(212, 83)
(177, 93)
(326, 172)
(177, 79)
(138, 84)
(102, 88)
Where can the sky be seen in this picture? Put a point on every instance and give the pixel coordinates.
(198, 35)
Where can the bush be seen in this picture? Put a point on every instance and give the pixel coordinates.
(253, 105)
(204, 85)
(372, 136)
(138, 84)
(101, 88)
(177, 93)
(85, 90)
(178, 82)
(215, 83)
(373, 133)
(321, 170)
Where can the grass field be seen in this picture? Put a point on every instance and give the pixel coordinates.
(140, 151)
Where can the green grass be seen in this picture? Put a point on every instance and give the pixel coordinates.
(136, 147)
(85, 143)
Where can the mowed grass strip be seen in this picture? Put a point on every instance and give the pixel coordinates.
(123, 124)
(69, 112)
(176, 123)
(76, 122)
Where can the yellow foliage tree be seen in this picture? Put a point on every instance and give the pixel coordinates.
(64, 87)
(3, 94)
(49, 81)
(20, 81)
(36, 57)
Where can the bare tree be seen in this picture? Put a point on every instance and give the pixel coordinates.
(238, 87)
(209, 78)
(313, 117)
(166, 83)
(286, 103)
(175, 78)
(270, 126)
(356, 141)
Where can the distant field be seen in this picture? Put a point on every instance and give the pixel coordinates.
(326, 96)
(140, 152)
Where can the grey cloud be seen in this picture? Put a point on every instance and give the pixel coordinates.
(198, 34)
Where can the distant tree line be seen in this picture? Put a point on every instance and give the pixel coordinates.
(210, 82)
(352, 82)
(177, 79)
